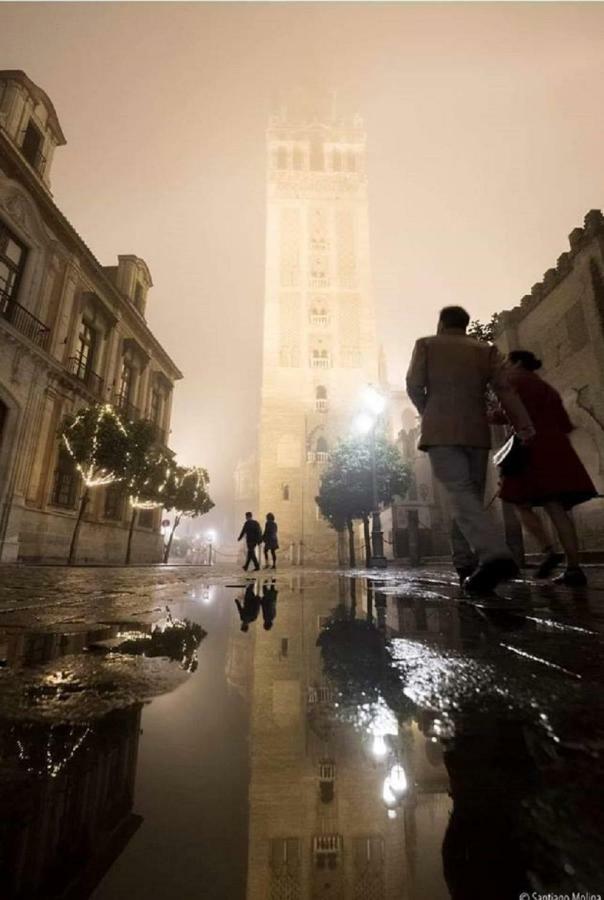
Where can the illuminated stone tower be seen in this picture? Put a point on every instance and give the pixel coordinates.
(319, 324)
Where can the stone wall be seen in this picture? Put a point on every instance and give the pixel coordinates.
(562, 322)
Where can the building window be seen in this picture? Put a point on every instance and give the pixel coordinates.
(322, 451)
(336, 161)
(155, 409)
(319, 316)
(31, 148)
(319, 359)
(285, 491)
(12, 263)
(321, 398)
(146, 518)
(114, 502)
(126, 381)
(66, 480)
(85, 351)
(298, 159)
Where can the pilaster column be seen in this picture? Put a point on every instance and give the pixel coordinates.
(143, 390)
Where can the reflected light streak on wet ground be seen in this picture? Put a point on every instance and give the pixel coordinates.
(325, 736)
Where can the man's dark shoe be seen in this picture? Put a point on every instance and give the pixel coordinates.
(549, 562)
(488, 575)
(574, 577)
(464, 572)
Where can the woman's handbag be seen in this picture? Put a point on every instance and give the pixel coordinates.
(512, 458)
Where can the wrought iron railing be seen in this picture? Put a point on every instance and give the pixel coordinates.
(130, 412)
(84, 373)
(22, 320)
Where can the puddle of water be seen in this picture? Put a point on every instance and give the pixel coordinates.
(318, 737)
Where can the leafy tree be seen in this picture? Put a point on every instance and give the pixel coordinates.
(346, 491)
(484, 331)
(148, 471)
(97, 441)
(186, 494)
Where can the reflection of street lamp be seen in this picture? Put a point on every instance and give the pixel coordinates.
(211, 537)
(366, 423)
(379, 747)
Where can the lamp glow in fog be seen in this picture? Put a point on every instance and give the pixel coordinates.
(363, 423)
(373, 400)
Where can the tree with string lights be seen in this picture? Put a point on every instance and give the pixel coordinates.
(148, 473)
(98, 443)
(186, 493)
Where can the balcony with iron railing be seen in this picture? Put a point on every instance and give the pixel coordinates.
(80, 370)
(160, 435)
(23, 321)
(128, 410)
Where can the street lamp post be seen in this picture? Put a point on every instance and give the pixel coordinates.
(367, 421)
(210, 536)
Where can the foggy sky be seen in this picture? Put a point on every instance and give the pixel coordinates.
(485, 150)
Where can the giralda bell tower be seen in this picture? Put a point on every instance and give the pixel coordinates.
(319, 324)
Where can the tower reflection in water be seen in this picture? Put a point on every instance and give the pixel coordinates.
(348, 799)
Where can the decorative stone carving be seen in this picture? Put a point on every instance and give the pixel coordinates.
(15, 205)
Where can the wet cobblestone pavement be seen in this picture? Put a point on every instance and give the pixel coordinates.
(327, 735)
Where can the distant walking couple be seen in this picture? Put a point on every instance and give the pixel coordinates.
(448, 379)
(254, 536)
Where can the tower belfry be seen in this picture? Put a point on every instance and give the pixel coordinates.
(319, 323)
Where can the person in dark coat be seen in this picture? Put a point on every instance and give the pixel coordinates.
(249, 609)
(253, 536)
(269, 604)
(270, 541)
(553, 476)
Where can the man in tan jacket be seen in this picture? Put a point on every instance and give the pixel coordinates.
(447, 381)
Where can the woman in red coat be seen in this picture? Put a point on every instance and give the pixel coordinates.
(554, 477)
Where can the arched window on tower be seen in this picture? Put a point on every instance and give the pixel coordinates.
(318, 316)
(319, 359)
(322, 453)
(282, 158)
(321, 398)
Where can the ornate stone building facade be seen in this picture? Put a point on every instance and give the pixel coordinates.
(562, 322)
(319, 325)
(72, 332)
